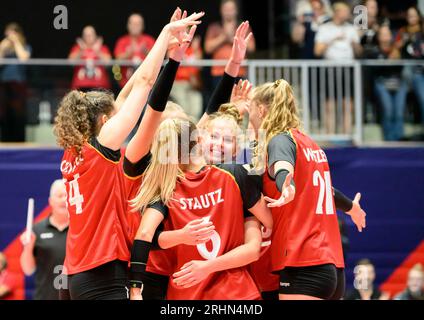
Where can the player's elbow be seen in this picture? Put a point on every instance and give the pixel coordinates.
(146, 80)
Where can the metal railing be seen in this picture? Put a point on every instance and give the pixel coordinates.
(329, 93)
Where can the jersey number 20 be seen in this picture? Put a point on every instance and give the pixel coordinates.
(324, 184)
(75, 198)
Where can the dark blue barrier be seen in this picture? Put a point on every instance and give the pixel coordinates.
(391, 181)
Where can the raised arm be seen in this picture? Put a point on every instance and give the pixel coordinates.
(116, 130)
(139, 145)
(222, 92)
(27, 258)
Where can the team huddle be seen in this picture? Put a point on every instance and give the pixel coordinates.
(183, 212)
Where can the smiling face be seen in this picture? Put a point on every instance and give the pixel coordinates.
(220, 142)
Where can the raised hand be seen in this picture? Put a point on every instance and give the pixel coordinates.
(197, 232)
(287, 194)
(176, 26)
(357, 214)
(240, 96)
(178, 51)
(241, 39)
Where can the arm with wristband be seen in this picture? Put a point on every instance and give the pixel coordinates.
(139, 145)
(222, 92)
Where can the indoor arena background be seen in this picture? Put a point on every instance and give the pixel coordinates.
(390, 175)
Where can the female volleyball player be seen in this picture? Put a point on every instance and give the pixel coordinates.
(306, 246)
(223, 129)
(91, 127)
(191, 190)
(155, 278)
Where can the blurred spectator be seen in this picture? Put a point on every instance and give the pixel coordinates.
(306, 26)
(8, 281)
(389, 86)
(338, 40)
(410, 41)
(188, 82)
(364, 283)
(134, 46)
(90, 48)
(369, 36)
(415, 285)
(396, 11)
(219, 38)
(305, 8)
(45, 253)
(13, 88)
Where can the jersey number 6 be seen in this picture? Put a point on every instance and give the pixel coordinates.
(216, 245)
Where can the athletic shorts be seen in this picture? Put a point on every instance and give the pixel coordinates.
(106, 282)
(322, 281)
(155, 286)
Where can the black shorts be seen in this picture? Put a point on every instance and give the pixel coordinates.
(323, 281)
(106, 282)
(155, 286)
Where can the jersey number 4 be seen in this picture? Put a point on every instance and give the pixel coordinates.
(75, 198)
(325, 190)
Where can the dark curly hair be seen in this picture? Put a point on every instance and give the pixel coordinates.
(78, 117)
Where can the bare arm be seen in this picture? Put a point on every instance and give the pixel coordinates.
(214, 41)
(21, 52)
(263, 213)
(195, 271)
(116, 130)
(27, 258)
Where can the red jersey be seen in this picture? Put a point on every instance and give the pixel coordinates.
(217, 195)
(261, 269)
(306, 231)
(98, 228)
(160, 261)
(141, 47)
(89, 75)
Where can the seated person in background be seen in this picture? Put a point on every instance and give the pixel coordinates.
(364, 283)
(8, 281)
(415, 285)
(134, 46)
(90, 48)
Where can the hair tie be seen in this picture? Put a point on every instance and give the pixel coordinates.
(277, 83)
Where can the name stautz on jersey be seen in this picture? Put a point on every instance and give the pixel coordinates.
(203, 201)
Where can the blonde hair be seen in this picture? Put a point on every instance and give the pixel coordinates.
(78, 115)
(160, 178)
(174, 110)
(226, 111)
(282, 115)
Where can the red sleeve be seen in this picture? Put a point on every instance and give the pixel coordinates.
(120, 47)
(105, 50)
(74, 49)
(10, 281)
